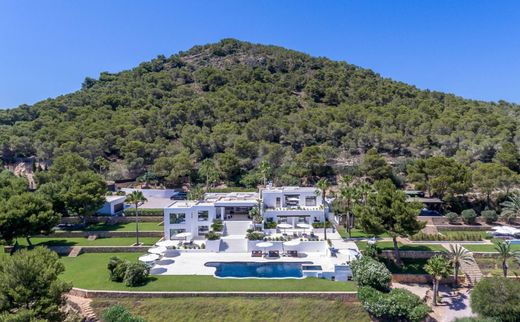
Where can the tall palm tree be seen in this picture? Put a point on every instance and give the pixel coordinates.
(322, 185)
(457, 255)
(504, 253)
(136, 198)
(511, 208)
(265, 170)
(349, 195)
(208, 169)
(438, 267)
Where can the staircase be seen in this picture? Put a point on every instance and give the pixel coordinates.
(76, 250)
(233, 245)
(82, 305)
(236, 228)
(472, 272)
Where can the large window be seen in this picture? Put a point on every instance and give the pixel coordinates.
(278, 202)
(203, 215)
(179, 218)
(174, 232)
(310, 201)
(203, 230)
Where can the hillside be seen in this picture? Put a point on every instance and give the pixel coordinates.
(238, 103)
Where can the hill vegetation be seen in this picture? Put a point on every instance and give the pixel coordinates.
(236, 104)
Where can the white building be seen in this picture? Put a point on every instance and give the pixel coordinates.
(196, 217)
(113, 205)
(293, 205)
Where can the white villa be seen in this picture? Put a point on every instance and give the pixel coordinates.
(288, 205)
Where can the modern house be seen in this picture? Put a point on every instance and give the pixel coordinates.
(113, 205)
(196, 217)
(293, 205)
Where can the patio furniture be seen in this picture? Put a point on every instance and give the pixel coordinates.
(292, 253)
(284, 227)
(167, 243)
(304, 226)
(256, 253)
(184, 235)
(264, 245)
(157, 250)
(273, 254)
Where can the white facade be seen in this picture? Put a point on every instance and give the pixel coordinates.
(112, 206)
(293, 205)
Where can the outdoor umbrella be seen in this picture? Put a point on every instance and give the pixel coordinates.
(304, 226)
(264, 245)
(183, 235)
(167, 243)
(157, 250)
(294, 242)
(284, 227)
(149, 258)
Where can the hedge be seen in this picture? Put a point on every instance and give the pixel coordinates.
(130, 212)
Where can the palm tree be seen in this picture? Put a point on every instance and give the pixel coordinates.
(457, 255)
(511, 208)
(504, 253)
(265, 170)
(207, 169)
(349, 195)
(438, 267)
(136, 198)
(322, 185)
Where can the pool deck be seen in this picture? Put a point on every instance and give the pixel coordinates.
(194, 263)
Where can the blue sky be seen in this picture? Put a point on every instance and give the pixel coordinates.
(470, 48)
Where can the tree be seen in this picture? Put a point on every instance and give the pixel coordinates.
(25, 215)
(228, 165)
(83, 193)
(375, 167)
(369, 272)
(440, 176)
(322, 186)
(438, 267)
(102, 164)
(388, 211)
(504, 253)
(457, 255)
(208, 170)
(487, 177)
(509, 156)
(265, 170)
(196, 193)
(497, 298)
(29, 282)
(349, 196)
(511, 208)
(136, 198)
(311, 163)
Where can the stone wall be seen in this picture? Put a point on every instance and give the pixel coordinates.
(102, 234)
(422, 279)
(112, 219)
(408, 254)
(65, 250)
(345, 296)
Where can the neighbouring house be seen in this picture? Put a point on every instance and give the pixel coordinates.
(432, 206)
(293, 205)
(114, 205)
(196, 216)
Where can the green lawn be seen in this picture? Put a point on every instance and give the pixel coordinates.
(388, 245)
(357, 233)
(482, 234)
(410, 266)
(238, 309)
(81, 241)
(143, 226)
(487, 248)
(89, 271)
(493, 266)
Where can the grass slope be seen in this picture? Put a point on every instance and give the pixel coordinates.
(362, 245)
(89, 271)
(238, 309)
(143, 226)
(487, 248)
(80, 241)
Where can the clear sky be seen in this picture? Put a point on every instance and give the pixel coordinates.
(469, 48)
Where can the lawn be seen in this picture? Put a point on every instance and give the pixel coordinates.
(238, 309)
(89, 271)
(482, 234)
(143, 226)
(494, 267)
(388, 245)
(487, 248)
(410, 266)
(81, 241)
(357, 233)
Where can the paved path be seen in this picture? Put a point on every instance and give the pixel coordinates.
(83, 304)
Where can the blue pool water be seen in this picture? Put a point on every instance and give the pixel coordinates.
(258, 270)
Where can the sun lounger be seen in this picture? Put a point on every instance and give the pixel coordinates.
(292, 253)
(256, 253)
(273, 254)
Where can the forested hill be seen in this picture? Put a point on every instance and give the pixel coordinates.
(238, 103)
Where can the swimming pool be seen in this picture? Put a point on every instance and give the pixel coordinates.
(258, 270)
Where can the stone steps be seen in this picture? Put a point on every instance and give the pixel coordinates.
(83, 305)
(472, 272)
(76, 250)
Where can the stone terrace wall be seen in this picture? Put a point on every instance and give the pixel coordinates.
(408, 254)
(345, 296)
(112, 219)
(102, 234)
(421, 279)
(65, 250)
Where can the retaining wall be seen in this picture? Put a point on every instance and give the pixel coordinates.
(345, 296)
(304, 246)
(422, 279)
(65, 250)
(112, 219)
(101, 234)
(408, 254)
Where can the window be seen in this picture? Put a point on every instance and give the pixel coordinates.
(302, 220)
(203, 215)
(278, 202)
(174, 232)
(203, 230)
(177, 218)
(310, 201)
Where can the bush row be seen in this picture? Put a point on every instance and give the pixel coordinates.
(451, 237)
(130, 212)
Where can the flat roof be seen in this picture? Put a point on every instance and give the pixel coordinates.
(231, 196)
(424, 200)
(156, 203)
(115, 198)
(289, 189)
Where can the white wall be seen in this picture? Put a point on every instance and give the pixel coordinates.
(192, 222)
(304, 247)
(157, 193)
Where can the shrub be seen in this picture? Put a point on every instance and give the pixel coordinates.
(117, 269)
(320, 224)
(452, 217)
(217, 225)
(498, 298)
(368, 272)
(490, 216)
(371, 251)
(398, 305)
(255, 235)
(118, 313)
(469, 216)
(212, 235)
(270, 225)
(471, 236)
(136, 274)
(130, 212)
